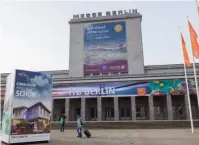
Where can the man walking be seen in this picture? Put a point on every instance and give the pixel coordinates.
(79, 126)
(62, 122)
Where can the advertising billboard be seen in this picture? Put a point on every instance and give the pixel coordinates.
(122, 89)
(103, 89)
(30, 107)
(105, 47)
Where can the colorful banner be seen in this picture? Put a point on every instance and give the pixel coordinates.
(105, 89)
(105, 47)
(31, 107)
(122, 89)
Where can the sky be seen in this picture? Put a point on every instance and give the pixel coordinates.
(35, 35)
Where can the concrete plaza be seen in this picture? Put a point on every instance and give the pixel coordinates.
(128, 137)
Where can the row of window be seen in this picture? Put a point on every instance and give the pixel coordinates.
(42, 111)
(106, 74)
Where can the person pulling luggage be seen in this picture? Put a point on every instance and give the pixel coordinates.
(79, 126)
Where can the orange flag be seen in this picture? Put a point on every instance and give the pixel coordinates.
(185, 54)
(194, 41)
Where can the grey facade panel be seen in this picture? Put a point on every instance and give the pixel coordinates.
(76, 57)
(134, 45)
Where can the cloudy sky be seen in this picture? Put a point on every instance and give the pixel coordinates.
(35, 35)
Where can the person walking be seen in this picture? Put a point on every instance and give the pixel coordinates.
(180, 112)
(62, 122)
(79, 126)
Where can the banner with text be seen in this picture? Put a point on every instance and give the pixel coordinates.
(105, 89)
(105, 47)
(31, 107)
(155, 88)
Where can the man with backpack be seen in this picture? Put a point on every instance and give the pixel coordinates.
(62, 122)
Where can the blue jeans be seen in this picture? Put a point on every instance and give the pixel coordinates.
(79, 131)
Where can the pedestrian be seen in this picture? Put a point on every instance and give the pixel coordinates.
(79, 126)
(180, 112)
(62, 122)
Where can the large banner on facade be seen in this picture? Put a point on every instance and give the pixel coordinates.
(31, 107)
(122, 89)
(105, 89)
(105, 47)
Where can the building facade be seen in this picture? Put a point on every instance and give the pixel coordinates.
(107, 79)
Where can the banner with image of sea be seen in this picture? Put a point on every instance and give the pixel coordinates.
(31, 107)
(105, 47)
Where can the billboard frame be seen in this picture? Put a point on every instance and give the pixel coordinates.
(29, 136)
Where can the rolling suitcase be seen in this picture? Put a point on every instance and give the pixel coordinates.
(87, 133)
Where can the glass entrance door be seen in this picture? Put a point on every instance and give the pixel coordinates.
(93, 114)
(78, 112)
(177, 114)
(125, 113)
(159, 112)
(140, 113)
(109, 114)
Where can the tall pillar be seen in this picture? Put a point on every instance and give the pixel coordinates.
(151, 108)
(52, 110)
(67, 108)
(186, 107)
(116, 106)
(133, 108)
(169, 107)
(99, 108)
(83, 108)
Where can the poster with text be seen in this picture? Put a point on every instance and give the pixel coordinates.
(31, 107)
(105, 47)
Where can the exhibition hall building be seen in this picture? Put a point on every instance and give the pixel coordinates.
(107, 79)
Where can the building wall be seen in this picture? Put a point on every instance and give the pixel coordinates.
(169, 69)
(168, 108)
(134, 47)
(76, 57)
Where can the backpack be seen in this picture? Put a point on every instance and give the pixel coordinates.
(61, 121)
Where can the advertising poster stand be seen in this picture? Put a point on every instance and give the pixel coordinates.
(27, 107)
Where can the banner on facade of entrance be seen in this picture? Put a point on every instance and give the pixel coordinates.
(27, 107)
(105, 48)
(122, 89)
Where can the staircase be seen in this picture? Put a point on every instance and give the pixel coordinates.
(174, 124)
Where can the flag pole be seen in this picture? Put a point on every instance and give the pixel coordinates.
(189, 102)
(187, 64)
(194, 67)
(197, 6)
(194, 70)
(196, 80)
